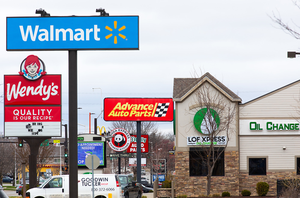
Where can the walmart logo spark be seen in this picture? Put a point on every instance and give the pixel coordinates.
(115, 37)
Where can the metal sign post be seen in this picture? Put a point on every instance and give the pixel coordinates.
(92, 162)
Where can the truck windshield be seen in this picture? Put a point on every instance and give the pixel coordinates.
(45, 182)
(123, 180)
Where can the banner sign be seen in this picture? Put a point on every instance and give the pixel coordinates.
(133, 145)
(138, 109)
(205, 140)
(74, 32)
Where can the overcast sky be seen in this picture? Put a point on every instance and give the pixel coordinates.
(234, 40)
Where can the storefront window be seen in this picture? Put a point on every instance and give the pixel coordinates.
(257, 166)
(198, 163)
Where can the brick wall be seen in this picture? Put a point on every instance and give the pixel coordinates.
(249, 182)
(196, 186)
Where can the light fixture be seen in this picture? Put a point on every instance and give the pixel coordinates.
(284, 148)
(102, 12)
(42, 12)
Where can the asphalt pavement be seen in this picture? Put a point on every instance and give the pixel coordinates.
(13, 193)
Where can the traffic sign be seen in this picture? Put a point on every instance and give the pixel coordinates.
(117, 155)
(92, 161)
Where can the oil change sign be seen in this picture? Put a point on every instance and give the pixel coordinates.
(138, 109)
(78, 33)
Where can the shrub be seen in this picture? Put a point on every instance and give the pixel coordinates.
(144, 196)
(166, 184)
(246, 193)
(262, 188)
(225, 194)
(182, 196)
(27, 187)
(216, 195)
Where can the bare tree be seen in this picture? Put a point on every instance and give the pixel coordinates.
(285, 26)
(45, 155)
(146, 127)
(216, 115)
(6, 159)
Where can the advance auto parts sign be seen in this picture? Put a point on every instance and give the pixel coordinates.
(206, 121)
(120, 141)
(138, 109)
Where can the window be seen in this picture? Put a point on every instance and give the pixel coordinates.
(257, 166)
(298, 166)
(54, 183)
(198, 163)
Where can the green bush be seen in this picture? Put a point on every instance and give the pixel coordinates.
(27, 187)
(182, 196)
(144, 196)
(225, 194)
(216, 195)
(246, 193)
(262, 188)
(166, 184)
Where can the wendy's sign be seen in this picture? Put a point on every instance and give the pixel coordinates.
(32, 101)
(43, 91)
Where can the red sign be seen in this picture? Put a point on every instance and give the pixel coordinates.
(138, 109)
(144, 144)
(32, 114)
(43, 91)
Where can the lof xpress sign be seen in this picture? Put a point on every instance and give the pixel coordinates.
(205, 140)
(82, 33)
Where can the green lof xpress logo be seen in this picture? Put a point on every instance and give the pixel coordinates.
(206, 121)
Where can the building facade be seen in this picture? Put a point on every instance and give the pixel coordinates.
(261, 139)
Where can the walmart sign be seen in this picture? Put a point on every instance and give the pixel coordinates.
(72, 33)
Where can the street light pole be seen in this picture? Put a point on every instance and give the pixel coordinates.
(292, 54)
(90, 122)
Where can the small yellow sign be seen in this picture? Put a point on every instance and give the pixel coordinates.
(56, 141)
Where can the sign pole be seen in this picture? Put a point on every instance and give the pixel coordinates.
(73, 172)
(93, 185)
(138, 151)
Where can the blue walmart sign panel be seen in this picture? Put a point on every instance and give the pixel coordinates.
(72, 33)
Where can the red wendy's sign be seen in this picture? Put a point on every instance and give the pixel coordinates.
(144, 144)
(32, 101)
(138, 109)
(43, 91)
